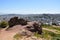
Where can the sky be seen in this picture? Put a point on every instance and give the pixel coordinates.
(29, 6)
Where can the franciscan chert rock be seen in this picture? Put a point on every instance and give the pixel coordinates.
(15, 21)
(32, 26)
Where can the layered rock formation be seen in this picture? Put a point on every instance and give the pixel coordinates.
(15, 21)
(30, 26)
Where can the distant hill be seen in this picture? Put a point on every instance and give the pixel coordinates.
(32, 16)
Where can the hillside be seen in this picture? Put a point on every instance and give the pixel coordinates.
(49, 33)
(21, 29)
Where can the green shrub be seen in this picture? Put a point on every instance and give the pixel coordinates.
(37, 35)
(3, 24)
(55, 38)
(17, 36)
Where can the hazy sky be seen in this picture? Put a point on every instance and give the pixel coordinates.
(29, 6)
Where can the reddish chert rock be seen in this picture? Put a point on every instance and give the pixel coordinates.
(30, 26)
(34, 27)
(15, 21)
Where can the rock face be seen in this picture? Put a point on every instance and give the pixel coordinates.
(35, 27)
(25, 32)
(30, 26)
(15, 21)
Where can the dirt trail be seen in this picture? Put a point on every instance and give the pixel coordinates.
(52, 30)
(8, 35)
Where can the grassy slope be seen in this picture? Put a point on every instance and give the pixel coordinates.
(51, 27)
(53, 36)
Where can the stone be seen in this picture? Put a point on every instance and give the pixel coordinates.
(15, 21)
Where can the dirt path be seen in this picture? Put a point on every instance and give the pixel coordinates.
(8, 35)
(52, 30)
(56, 26)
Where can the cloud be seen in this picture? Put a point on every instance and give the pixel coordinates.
(29, 11)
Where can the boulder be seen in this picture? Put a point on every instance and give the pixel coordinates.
(22, 21)
(37, 28)
(25, 32)
(15, 21)
(34, 27)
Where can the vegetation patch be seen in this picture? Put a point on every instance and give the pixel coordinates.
(50, 27)
(50, 35)
(3, 24)
(37, 35)
(17, 36)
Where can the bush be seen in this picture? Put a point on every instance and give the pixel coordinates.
(17, 36)
(37, 35)
(3, 24)
(54, 24)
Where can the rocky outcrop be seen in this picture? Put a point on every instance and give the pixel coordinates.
(33, 26)
(15, 21)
